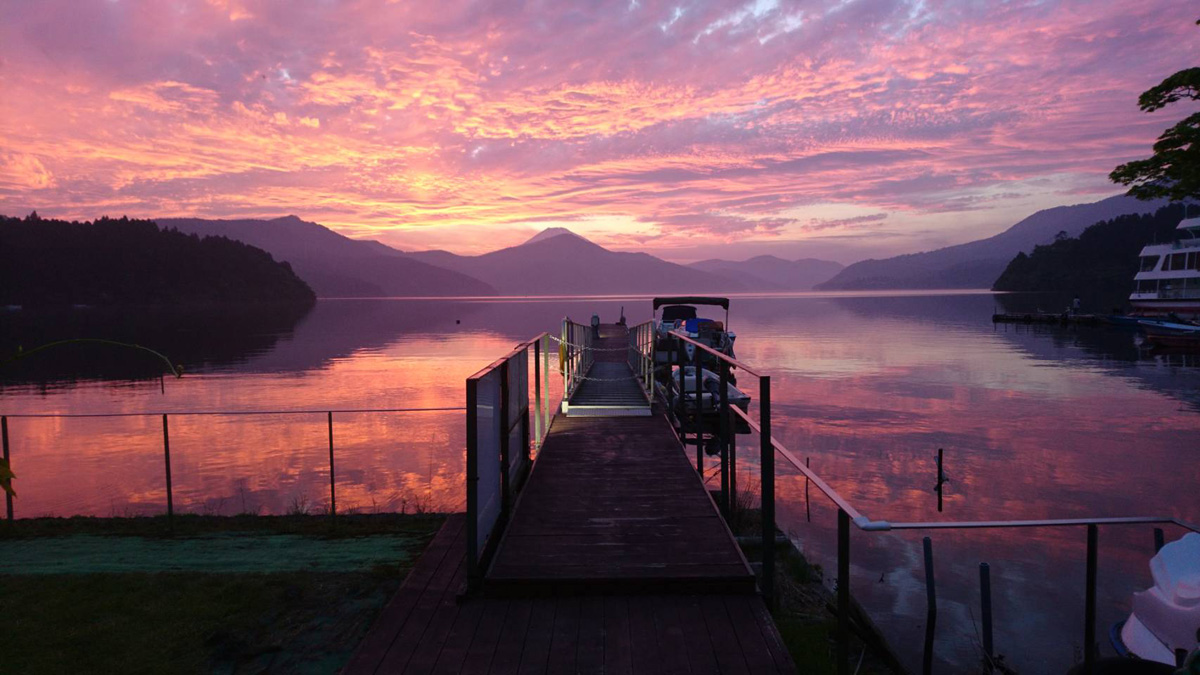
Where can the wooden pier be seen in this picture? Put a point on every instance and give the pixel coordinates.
(612, 558)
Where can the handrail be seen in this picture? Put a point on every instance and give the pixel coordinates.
(721, 355)
(867, 525)
(181, 413)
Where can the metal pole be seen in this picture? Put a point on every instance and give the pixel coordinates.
(546, 381)
(699, 417)
(985, 595)
(843, 594)
(505, 429)
(930, 607)
(332, 491)
(1089, 611)
(7, 462)
(767, 460)
(1158, 531)
(472, 487)
(681, 404)
(940, 479)
(537, 392)
(807, 504)
(167, 461)
(724, 435)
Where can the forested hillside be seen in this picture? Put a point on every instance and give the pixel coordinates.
(133, 262)
(1099, 265)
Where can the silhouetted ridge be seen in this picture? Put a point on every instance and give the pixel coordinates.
(1099, 265)
(124, 262)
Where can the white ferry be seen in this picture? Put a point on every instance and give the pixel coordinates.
(1169, 279)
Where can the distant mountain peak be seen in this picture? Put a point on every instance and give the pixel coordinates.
(550, 233)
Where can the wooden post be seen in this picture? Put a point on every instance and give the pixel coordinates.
(767, 461)
(1089, 611)
(332, 491)
(167, 462)
(8, 504)
(930, 607)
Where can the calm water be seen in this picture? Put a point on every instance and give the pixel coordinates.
(1035, 423)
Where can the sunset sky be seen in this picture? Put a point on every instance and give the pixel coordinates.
(839, 129)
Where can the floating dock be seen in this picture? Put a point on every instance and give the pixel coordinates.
(607, 553)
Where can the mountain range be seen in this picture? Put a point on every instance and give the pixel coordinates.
(769, 273)
(977, 264)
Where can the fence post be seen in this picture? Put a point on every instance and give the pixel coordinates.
(699, 418)
(843, 593)
(985, 608)
(505, 432)
(1089, 611)
(332, 493)
(472, 487)
(724, 436)
(930, 607)
(8, 462)
(767, 461)
(537, 392)
(167, 462)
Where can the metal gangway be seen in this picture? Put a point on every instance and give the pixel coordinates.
(608, 369)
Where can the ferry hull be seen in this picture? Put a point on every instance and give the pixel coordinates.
(1188, 309)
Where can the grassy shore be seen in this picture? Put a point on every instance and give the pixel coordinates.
(293, 594)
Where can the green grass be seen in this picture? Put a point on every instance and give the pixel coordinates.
(293, 620)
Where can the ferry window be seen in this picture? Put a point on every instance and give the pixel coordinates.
(1147, 286)
(1178, 261)
(1193, 262)
(1149, 263)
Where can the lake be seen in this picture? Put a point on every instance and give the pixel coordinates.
(1035, 422)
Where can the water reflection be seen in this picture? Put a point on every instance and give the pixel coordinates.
(1036, 422)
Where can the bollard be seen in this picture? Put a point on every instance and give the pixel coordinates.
(167, 461)
(985, 596)
(332, 493)
(8, 462)
(930, 607)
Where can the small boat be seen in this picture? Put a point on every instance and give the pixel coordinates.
(680, 313)
(710, 391)
(1165, 622)
(1165, 333)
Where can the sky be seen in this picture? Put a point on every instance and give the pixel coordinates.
(839, 129)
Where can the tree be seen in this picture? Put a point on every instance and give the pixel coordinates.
(1173, 171)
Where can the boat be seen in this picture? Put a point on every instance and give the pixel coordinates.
(710, 391)
(1168, 280)
(1164, 625)
(1171, 333)
(680, 313)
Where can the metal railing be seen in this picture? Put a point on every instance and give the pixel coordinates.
(849, 515)
(500, 443)
(575, 355)
(168, 475)
(641, 355)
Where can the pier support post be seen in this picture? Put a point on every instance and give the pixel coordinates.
(167, 463)
(930, 607)
(332, 492)
(843, 593)
(8, 504)
(1089, 611)
(767, 460)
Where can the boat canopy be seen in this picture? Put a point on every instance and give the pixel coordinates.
(1188, 224)
(691, 300)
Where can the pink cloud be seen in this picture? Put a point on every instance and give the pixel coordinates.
(679, 123)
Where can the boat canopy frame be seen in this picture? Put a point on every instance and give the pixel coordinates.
(694, 300)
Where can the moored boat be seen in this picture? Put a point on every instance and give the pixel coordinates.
(1168, 280)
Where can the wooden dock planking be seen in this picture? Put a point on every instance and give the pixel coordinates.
(635, 634)
(615, 560)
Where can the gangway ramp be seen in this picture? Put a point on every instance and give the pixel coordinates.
(602, 381)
